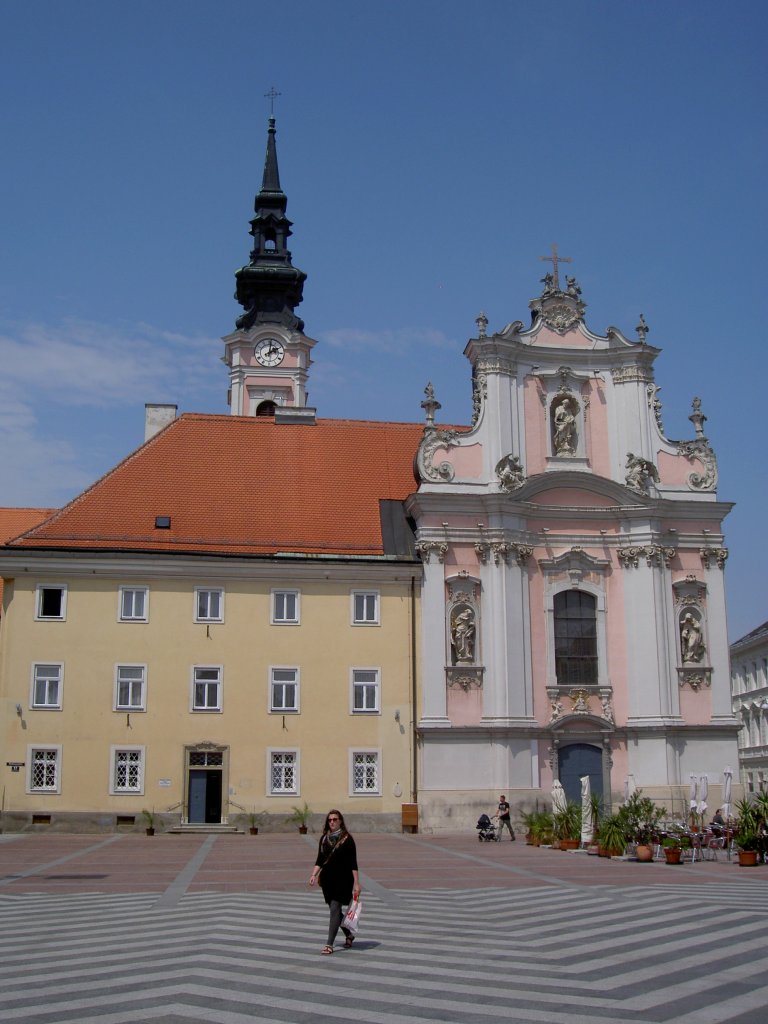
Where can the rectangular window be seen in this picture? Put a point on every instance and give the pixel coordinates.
(365, 772)
(283, 772)
(130, 685)
(284, 690)
(209, 605)
(365, 607)
(365, 690)
(46, 686)
(44, 769)
(127, 770)
(285, 607)
(134, 604)
(206, 689)
(51, 602)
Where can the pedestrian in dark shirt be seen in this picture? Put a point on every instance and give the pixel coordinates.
(503, 813)
(335, 871)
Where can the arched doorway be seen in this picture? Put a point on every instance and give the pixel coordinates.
(579, 759)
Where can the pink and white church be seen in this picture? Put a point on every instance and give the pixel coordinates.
(573, 604)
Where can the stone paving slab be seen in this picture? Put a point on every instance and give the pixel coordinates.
(278, 862)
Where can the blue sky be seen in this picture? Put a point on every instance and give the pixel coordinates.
(431, 150)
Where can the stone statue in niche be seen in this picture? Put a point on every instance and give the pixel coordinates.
(691, 639)
(463, 635)
(564, 423)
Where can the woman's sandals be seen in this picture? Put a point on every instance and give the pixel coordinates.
(327, 950)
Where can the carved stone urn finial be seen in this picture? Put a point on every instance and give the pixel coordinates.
(430, 404)
(642, 329)
(697, 417)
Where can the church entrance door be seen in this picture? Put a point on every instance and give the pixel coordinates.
(576, 760)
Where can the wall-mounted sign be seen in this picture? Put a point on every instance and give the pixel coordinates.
(164, 782)
(15, 765)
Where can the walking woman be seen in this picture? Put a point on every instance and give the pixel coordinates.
(335, 871)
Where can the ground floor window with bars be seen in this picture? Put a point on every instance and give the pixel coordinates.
(366, 772)
(128, 771)
(45, 767)
(284, 776)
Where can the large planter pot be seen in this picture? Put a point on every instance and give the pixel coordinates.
(673, 854)
(150, 831)
(747, 858)
(569, 844)
(644, 853)
(253, 830)
(303, 829)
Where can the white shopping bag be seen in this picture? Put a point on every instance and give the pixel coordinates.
(352, 917)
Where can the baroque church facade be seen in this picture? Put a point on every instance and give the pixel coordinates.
(538, 595)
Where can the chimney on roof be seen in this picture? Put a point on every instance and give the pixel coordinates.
(156, 417)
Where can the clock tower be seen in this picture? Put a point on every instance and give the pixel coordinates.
(268, 354)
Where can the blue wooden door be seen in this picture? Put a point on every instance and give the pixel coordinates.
(197, 791)
(576, 760)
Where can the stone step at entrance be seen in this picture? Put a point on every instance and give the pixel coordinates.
(205, 829)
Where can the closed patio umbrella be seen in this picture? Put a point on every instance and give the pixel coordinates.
(727, 784)
(587, 818)
(693, 795)
(559, 801)
(701, 806)
(630, 786)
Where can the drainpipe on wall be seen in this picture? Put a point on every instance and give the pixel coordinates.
(414, 738)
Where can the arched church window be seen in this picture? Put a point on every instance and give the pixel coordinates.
(269, 241)
(575, 621)
(266, 408)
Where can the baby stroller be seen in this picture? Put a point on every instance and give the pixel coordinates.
(487, 830)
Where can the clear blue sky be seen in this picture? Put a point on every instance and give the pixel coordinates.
(431, 151)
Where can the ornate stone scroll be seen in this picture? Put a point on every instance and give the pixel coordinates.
(430, 442)
(464, 677)
(426, 548)
(717, 555)
(654, 555)
(479, 394)
(694, 677)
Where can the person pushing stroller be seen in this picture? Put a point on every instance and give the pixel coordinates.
(504, 819)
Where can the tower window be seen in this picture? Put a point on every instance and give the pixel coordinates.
(266, 408)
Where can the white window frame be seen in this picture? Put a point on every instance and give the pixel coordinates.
(125, 589)
(61, 617)
(296, 791)
(33, 687)
(284, 682)
(282, 592)
(354, 683)
(219, 682)
(130, 707)
(114, 752)
(32, 749)
(196, 610)
(365, 595)
(365, 752)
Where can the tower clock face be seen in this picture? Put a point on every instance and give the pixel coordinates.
(269, 352)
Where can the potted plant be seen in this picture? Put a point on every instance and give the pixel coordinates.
(253, 817)
(612, 836)
(567, 826)
(149, 817)
(528, 819)
(542, 828)
(748, 837)
(641, 820)
(300, 817)
(673, 845)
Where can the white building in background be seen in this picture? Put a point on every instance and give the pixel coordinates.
(749, 688)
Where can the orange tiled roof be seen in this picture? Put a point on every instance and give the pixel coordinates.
(14, 521)
(244, 485)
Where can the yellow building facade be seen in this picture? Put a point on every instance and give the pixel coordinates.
(205, 691)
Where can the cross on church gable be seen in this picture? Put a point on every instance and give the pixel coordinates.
(555, 259)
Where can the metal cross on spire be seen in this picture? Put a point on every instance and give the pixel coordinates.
(271, 96)
(554, 259)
